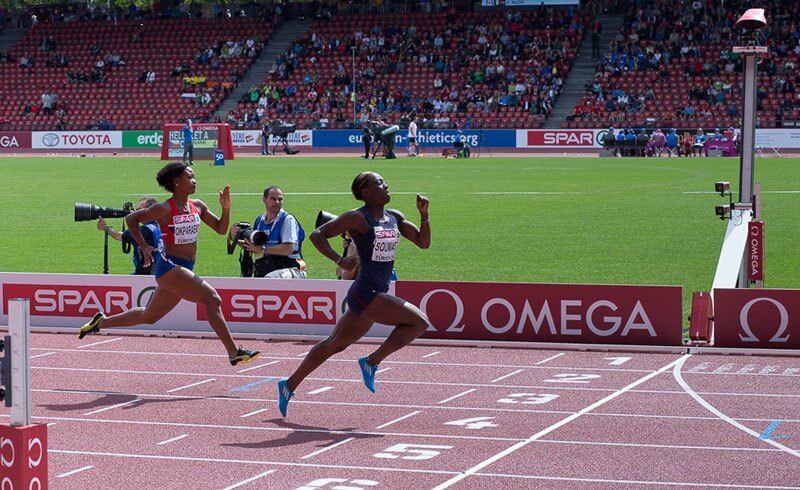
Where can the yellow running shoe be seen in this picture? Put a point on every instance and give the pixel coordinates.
(244, 356)
(92, 326)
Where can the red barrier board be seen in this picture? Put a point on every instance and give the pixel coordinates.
(274, 306)
(549, 312)
(755, 250)
(70, 300)
(580, 138)
(757, 318)
(14, 140)
(23, 457)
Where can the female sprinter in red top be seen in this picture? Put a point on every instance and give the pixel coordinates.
(179, 219)
(375, 231)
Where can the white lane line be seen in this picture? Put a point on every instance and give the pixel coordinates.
(350, 361)
(251, 479)
(42, 355)
(320, 390)
(70, 473)
(245, 461)
(172, 440)
(763, 192)
(457, 396)
(436, 353)
(328, 448)
(382, 370)
(633, 482)
(283, 430)
(99, 410)
(303, 354)
(562, 422)
(523, 193)
(101, 342)
(660, 446)
(50, 424)
(676, 373)
(550, 358)
(257, 367)
(398, 419)
(254, 412)
(359, 381)
(179, 388)
(501, 378)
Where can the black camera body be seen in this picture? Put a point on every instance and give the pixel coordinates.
(246, 232)
(90, 212)
(282, 129)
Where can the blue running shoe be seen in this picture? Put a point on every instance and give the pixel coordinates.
(368, 373)
(284, 395)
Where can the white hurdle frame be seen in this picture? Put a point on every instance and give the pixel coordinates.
(19, 326)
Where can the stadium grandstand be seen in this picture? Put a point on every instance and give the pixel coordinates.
(674, 67)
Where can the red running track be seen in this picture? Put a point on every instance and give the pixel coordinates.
(134, 412)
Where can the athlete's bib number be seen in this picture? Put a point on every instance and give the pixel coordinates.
(186, 228)
(385, 244)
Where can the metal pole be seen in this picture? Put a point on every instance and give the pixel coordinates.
(747, 159)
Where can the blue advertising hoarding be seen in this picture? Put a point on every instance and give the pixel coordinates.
(430, 138)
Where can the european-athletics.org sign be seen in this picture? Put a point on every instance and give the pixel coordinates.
(432, 138)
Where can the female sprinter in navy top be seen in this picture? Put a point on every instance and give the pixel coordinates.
(179, 219)
(375, 232)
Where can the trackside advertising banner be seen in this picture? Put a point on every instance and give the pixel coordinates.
(78, 140)
(143, 139)
(14, 140)
(549, 312)
(560, 138)
(461, 311)
(768, 318)
(251, 138)
(348, 138)
(300, 307)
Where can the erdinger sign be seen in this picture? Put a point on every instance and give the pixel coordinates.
(549, 312)
(757, 318)
(23, 457)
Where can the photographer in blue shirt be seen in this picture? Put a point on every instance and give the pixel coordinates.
(150, 231)
(281, 257)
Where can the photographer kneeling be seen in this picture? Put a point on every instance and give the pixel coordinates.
(281, 253)
(150, 232)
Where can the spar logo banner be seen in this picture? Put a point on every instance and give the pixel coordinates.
(13, 140)
(768, 318)
(262, 306)
(558, 138)
(54, 140)
(251, 138)
(269, 306)
(549, 312)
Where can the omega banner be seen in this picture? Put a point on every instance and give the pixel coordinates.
(457, 310)
(757, 318)
(549, 312)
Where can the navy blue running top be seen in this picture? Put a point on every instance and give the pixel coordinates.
(376, 249)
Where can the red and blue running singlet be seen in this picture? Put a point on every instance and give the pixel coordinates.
(182, 228)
